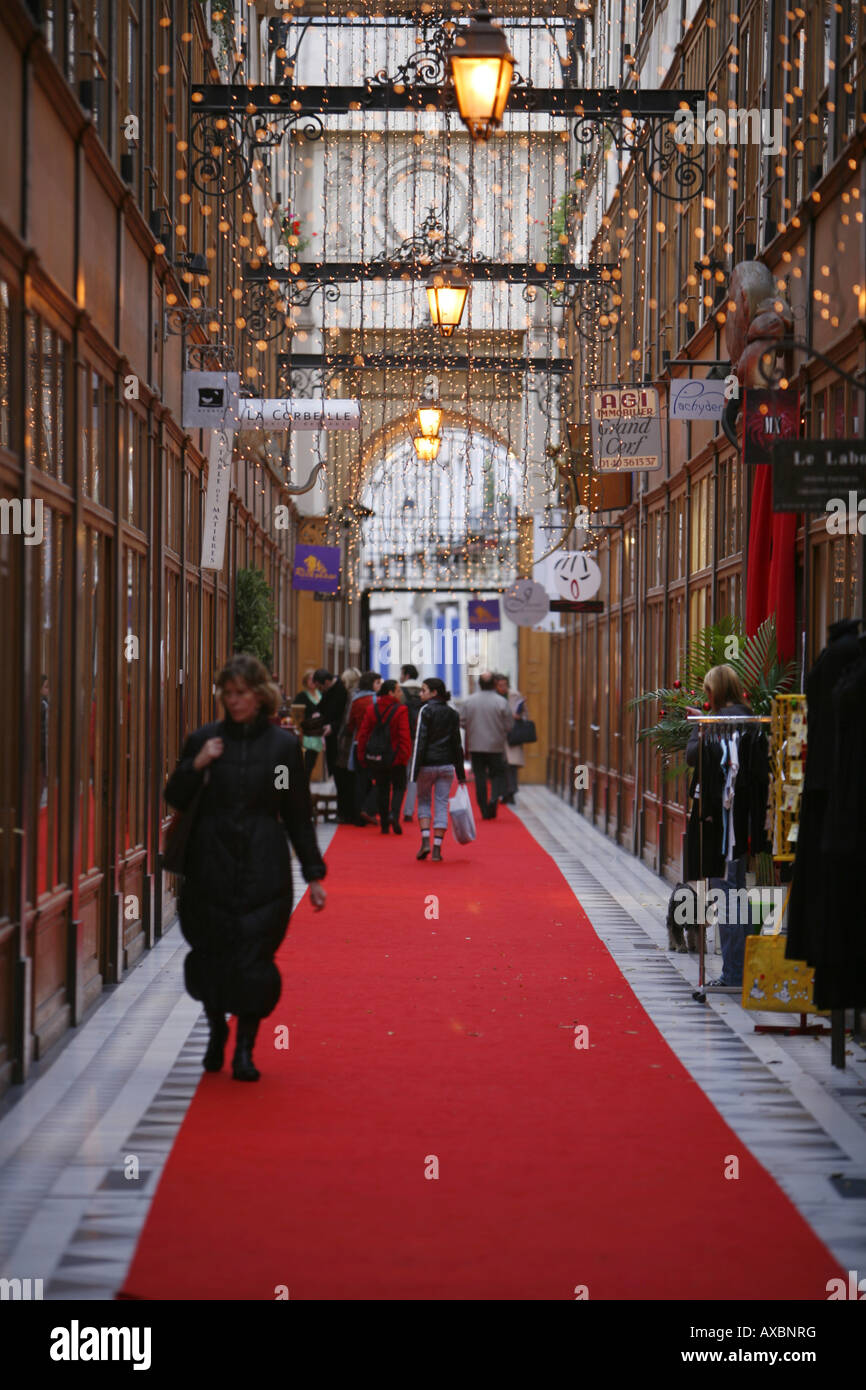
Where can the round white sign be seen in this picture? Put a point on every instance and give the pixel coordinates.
(577, 575)
(526, 603)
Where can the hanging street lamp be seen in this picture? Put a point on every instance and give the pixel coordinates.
(447, 289)
(481, 70)
(426, 447)
(429, 418)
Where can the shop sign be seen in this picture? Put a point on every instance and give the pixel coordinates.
(209, 399)
(626, 429)
(769, 417)
(324, 413)
(526, 603)
(216, 505)
(317, 567)
(809, 473)
(483, 614)
(576, 575)
(696, 399)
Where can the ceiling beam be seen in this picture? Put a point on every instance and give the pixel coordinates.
(513, 272)
(566, 102)
(420, 362)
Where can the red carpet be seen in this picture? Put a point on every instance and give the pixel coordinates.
(454, 1038)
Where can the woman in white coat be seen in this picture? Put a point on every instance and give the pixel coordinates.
(514, 757)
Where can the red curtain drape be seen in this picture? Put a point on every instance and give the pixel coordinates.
(770, 586)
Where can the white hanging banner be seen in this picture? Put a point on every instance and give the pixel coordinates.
(216, 506)
(328, 413)
(209, 399)
(576, 575)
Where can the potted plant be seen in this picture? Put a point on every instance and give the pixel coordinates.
(755, 660)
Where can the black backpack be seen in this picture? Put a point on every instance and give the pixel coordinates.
(379, 752)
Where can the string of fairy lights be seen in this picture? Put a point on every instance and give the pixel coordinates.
(338, 197)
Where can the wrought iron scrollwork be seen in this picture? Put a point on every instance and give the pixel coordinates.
(427, 67)
(300, 293)
(181, 318)
(430, 245)
(210, 357)
(307, 382)
(652, 138)
(225, 143)
(594, 313)
(264, 311)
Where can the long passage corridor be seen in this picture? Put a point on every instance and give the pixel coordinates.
(485, 1079)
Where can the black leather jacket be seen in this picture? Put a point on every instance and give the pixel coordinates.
(437, 740)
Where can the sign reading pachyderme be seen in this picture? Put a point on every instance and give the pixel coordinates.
(626, 429)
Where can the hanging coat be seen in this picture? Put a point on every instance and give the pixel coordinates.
(840, 982)
(236, 897)
(806, 919)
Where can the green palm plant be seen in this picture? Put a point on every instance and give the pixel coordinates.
(254, 615)
(755, 660)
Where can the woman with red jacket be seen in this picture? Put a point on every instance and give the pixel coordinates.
(385, 731)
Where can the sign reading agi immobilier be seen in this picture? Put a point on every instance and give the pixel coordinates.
(626, 429)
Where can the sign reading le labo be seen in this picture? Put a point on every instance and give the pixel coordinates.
(626, 429)
(809, 473)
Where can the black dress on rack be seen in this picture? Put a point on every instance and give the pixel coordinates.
(705, 856)
(708, 854)
(827, 909)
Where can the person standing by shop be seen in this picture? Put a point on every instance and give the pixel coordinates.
(332, 708)
(514, 757)
(385, 731)
(310, 696)
(236, 898)
(487, 719)
(437, 755)
(737, 772)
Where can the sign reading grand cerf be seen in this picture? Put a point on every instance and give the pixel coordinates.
(626, 429)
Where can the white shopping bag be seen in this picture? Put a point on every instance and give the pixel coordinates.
(462, 819)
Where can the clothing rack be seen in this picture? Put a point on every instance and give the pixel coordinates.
(732, 721)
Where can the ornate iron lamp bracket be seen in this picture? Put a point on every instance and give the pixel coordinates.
(651, 138)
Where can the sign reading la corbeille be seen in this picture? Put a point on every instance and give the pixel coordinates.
(809, 473)
(626, 429)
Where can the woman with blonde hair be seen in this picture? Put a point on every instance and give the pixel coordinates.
(726, 696)
(310, 696)
(236, 898)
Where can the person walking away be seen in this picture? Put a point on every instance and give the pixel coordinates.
(236, 896)
(725, 695)
(363, 698)
(514, 756)
(487, 719)
(411, 687)
(437, 755)
(310, 696)
(384, 748)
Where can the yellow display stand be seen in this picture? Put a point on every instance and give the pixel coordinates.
(772, 983)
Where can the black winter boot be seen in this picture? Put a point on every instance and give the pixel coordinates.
(219, 1031)
(242, 1062)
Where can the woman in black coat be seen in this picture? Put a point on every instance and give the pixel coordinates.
(437, 755)
(236, 897)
